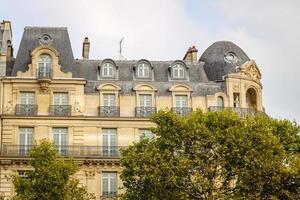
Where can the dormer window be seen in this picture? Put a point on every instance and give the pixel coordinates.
(178, 71)
(45, 66)
(143, 70)
(108, 70)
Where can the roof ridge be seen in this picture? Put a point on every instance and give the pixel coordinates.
(46, 27)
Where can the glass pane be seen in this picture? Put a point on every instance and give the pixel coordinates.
(27, 98)
(220, 102)
(145, 100)
(61, 99)
(181, 101)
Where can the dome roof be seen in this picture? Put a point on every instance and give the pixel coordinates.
(222, 58)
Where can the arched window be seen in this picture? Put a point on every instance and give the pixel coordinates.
(220, 101)
(251, 99)
(45, 66)
(143, 70)
(178, 71)
(108, 70)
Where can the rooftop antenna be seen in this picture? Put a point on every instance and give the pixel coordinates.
(121, 57)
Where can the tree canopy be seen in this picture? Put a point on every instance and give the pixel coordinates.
(51, 177)
(214, 155)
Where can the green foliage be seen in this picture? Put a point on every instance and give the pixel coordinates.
(50, 178)
(214, 155)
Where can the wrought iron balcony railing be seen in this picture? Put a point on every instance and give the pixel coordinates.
(242, 112)
(26, 109)
(45, 73)
(60, 110)
(144, 111)
(108, 194)
(109, 111)
(66, 150)
(183, 111)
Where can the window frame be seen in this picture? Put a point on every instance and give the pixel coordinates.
(105, 73)
(110, 176)
(176, 68)
(44, 64)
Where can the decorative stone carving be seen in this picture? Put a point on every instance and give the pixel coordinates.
(8, 106)
(44, 85)
(90, 174)
(250, 69)
(77, 107)
(236, 88)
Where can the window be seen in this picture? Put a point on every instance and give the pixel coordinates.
(108, 70)
(110, 142)
(61, 98)
(109, 184)
(220, 101)
(45, 66)
(181, 101)
(27, 98)
(236, 100)
(145, 133)
(143, 70)
(26, 140)
(178, 71)
(60, 139)
(145, 100)
(109, 100)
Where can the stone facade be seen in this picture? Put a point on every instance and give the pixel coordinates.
(92, 108)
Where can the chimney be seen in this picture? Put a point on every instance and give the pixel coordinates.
(86, 48)
(191, 54)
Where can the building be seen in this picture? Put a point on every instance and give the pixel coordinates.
(92, 108)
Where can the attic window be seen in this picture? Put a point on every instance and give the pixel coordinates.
(178, 71)
(45, 39)
(108, 70)
(230, 57)
(143, 70)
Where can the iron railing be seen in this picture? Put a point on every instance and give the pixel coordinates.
(183, 111)
(66, 150)
(60, 110)
(242, 112)
(26, 109)
(144, 111)
(108, 195)
(45, 73)
(109, 111)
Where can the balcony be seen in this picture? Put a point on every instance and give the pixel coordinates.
(109, 111)
(45, 73)
(242, 112)
(60, 110)
(26, 109)
(66, 150)
(182, 111)
(145, 112)
(108, 195)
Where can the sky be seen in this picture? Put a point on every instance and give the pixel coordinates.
(267, 30)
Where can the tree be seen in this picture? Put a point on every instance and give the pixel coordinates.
(214, 155)
(51, 177)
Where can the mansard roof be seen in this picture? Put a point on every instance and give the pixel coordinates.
(31, 39)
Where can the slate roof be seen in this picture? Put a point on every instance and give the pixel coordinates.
(214, 59)
(204, 77)
(88, 69)
(30, 40)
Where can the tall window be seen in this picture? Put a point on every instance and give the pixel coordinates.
(109, 142)
(61, 98)
(109, 184)
(60, 139)
(178, 71)
(236, 100)
(108, 70)
(146, 133)
(26, 140)
(109, 100)
(181, 101)
(143, 70)
(220, 101)
(27, 98)
(45, 66)
(145, 100)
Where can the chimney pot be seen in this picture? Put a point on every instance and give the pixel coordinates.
(86, 48)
